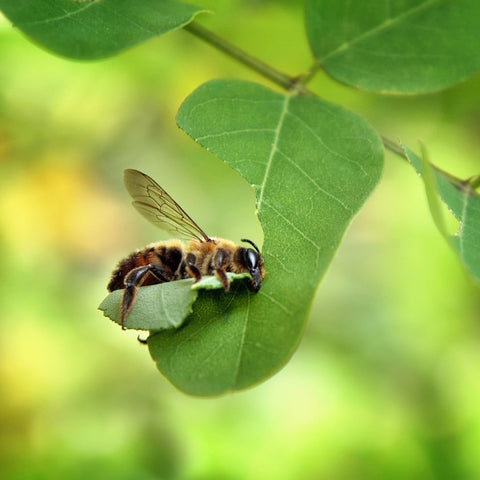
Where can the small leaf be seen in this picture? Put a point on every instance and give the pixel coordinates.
(162, 306)
(464, 203)
(157, 307)
(408, 46)
(211, 282)
(91, 29)
(431, 191)
(313, 164)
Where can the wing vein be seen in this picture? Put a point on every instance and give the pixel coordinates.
(159, 208)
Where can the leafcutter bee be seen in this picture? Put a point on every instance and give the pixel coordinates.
(172, 260)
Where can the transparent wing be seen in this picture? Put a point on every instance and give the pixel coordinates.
(158, 207)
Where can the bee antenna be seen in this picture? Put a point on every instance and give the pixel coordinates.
(246, 240)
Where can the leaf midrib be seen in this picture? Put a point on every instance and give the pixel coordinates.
(273, 149)
(242, 343)
(462, 223)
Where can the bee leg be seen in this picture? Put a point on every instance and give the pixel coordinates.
(133, 280)
(192, 269)
(222, 276)
(218, 261)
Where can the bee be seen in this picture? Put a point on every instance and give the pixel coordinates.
(172, 260)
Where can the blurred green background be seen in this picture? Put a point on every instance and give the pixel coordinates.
(385, 383)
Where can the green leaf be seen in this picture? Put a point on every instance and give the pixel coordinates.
(431, 191)
(211, 282)
(313, 165)
(400, 46)
(163, 306)
(94, 29)
(464, 203)
(157, 307)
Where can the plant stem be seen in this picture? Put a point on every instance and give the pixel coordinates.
(285, 81)
(393, 147)
(470, 183)
(267, 71)
(474, 182)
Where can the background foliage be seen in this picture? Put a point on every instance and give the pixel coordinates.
(385, 381)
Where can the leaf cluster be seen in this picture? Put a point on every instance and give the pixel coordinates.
(312, 163)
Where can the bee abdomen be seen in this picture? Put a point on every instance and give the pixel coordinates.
(168, 259)
(124, 266)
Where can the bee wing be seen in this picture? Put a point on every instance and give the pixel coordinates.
(158, 207)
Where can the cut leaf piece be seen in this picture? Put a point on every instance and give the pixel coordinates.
(211, 282)
(407, 46)
(464, 202)
(157, 307)
(91, 29)
(163, 306)
(313, 165)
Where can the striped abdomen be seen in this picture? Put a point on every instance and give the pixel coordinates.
(169, 257)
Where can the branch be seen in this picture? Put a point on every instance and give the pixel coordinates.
(285, 81)
(267, 71)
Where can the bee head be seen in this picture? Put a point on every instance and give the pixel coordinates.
(252, 260)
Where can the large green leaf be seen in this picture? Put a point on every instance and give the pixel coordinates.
(95, 28)
(406, 46)
(463, 201)
(312, 164)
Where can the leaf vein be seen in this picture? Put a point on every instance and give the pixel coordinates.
(234, 132)
(292, 225)
(324, 145)
(317, 186)
(60, 17)
(284, 268)
(275, 302)
(242, 342)
(165, 310)
(226, 99)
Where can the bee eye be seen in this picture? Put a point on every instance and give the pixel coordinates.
(251, 259)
